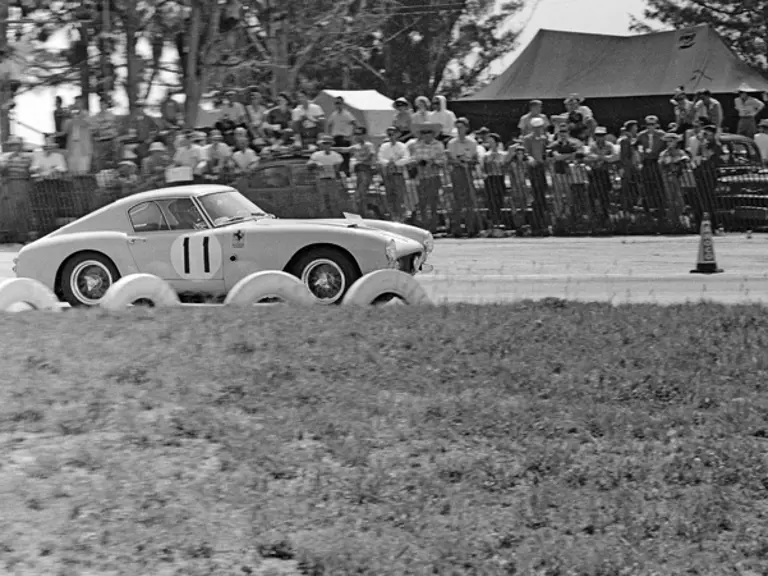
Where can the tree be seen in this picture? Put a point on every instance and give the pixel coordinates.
(445, 45)
(743, 24)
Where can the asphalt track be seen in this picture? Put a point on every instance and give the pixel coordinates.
(617, 270)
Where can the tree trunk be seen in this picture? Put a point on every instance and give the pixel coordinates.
(85, 66)
(197, 72)
(130, 42)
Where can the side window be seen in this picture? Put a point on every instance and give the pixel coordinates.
(272, 177)
(182, 214)
(147, 217)
(746, 153)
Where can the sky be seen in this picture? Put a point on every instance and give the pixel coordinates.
(34, 109)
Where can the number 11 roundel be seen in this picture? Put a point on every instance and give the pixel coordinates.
(196, 257)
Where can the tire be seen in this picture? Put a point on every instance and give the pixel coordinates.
(343, 273)
(74, 286)
(382, 286)
(27, 291)
(144, 289)
(254, 289)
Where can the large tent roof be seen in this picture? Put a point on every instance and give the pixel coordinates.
(557, 63)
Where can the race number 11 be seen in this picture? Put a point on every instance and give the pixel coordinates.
(196, 257)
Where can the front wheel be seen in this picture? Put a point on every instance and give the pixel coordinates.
(326, 273)
(86, 277)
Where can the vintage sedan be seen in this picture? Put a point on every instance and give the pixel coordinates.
(742, 185)
(203, 239)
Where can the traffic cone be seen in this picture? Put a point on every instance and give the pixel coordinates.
(706, 263)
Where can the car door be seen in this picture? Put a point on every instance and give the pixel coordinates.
(173, 240)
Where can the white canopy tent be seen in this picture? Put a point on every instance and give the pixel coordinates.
(371, 108)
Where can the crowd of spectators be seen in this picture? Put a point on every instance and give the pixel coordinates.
(561, 170)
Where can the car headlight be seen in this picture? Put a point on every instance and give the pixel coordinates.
(429, 243)
(391, 253)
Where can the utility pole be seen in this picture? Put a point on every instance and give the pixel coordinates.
(5, 77)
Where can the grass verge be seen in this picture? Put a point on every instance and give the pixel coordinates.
(545, 439)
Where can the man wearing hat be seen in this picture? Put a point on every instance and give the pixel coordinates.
(463, 157)
(402, 119)
(216, 156)
(747, 107)
(50, 162)
(650, 143)
(630, 161)
(581, 123)
(684, 110)
(393, 158)
(145, 127)
(563, 149)
(673, 161)
(308, 118)
(429, 159)
(534, 111)
(535, 145)
(341, 126)
(601, 154)
(705, 163)
(761, 139)
(708, 107)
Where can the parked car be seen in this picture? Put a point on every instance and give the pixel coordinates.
(203, 239)
(742, 184)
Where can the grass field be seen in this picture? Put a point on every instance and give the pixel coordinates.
(531, 439)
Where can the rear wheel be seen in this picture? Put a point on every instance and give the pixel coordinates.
(86, 277)
(327, 274)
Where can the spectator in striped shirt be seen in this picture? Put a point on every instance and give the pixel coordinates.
(429, 159)
(494, 166)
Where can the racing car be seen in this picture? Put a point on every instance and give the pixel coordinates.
(203, 239)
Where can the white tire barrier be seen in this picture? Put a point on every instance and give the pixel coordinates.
(380, 283)
(134, 287)
(272, 284)
(27, 291)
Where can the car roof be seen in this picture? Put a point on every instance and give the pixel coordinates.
(173, 192)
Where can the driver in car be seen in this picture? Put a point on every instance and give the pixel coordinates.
(187, 216)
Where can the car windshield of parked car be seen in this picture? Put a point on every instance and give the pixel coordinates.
(230, 206)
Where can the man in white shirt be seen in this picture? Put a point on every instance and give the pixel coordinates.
(325, 164)
(49, 162)
(534, 111)
(761, 139)
(393, 157)
(244, 157)
(187, 157)
(747, 107)
(341, 126)
(308, 118)
(463, 156)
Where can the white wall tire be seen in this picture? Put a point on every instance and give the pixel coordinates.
(27, 291)
(372, 287)
(272, 284)
(139, 287)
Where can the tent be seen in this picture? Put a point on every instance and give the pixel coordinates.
(622, 77)
(371, 108)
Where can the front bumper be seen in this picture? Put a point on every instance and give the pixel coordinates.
(414, 263)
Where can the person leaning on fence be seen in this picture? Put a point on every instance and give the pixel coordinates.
(362, 165)
(494, 167)
(520, 192)
(563, 150)
(705, 164)
(463, 157)
(650, 143)
(630, 162)
(536, 147)
(601, 154)
(393, 157)
(672, 161)
(325, 164)
(49, 163)
(428, 159)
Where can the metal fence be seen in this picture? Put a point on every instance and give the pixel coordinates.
(488, 199)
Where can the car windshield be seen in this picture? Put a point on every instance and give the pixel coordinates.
(230, 206)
